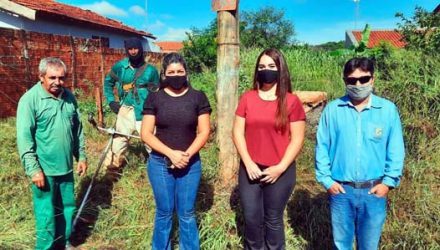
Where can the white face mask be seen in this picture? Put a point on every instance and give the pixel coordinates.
(359, 92)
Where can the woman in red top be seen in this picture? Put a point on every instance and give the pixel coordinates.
(269, 134)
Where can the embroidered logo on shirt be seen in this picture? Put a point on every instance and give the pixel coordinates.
(378, 132)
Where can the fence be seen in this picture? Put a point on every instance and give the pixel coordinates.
(87, 60)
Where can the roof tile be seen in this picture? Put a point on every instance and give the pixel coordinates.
(168, 46)
(53, 8)
(376, 36)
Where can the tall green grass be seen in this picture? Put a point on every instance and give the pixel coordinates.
(120, 212)
(17, 227)
(309, 70)
(412, 81)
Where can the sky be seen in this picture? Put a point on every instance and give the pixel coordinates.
(315, 21)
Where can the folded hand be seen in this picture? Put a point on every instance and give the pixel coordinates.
(179, 159)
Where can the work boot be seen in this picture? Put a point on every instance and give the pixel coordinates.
(116, 163)
(113, 173)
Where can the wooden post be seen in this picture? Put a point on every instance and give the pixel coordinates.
(73, 62)
(98, 99)
(25, 55)
(228, 60)
(102, 66)
(98, 93)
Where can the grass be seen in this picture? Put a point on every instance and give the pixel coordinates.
(120, 213)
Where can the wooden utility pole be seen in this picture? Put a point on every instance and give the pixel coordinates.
(227, 82)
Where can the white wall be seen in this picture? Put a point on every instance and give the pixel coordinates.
(52, 27)
(350, 40)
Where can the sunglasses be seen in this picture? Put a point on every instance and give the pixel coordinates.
(61, 78)
(353, 80)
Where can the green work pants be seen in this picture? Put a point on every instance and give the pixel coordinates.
(54, 205)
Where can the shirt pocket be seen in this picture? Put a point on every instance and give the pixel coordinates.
(47, 115)
(375, 132)
(69, 114)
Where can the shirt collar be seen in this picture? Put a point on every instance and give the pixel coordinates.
(44, 94)
(126, 63)
(373, 102)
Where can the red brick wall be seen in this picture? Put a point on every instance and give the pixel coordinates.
(21, 51)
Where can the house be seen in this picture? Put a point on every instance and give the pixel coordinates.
(167, 46)
(49, 16)
(353, 37)
(437, 10)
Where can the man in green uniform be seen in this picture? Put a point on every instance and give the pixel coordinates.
(133, 78)
(49, 135)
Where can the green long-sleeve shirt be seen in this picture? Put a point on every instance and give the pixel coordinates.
(49, 132)
(126, 74)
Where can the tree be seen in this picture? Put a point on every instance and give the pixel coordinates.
(200, 49)
(330, 46)
(265, 28)
(422, 31)
(358, 50)
(363, 43)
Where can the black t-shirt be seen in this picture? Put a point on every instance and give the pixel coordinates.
(177, 117)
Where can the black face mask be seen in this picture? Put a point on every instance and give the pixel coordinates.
(138, 59)
(267, 76)
(176, 82)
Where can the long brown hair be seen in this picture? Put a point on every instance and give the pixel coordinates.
(284, 86)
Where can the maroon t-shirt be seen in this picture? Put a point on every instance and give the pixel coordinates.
(265, 144)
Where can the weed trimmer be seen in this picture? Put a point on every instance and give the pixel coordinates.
(112, 132)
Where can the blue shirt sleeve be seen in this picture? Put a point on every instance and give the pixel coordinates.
(322, 157)
(395, 153)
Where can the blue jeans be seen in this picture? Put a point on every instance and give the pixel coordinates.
(174, 188)
(357, 214)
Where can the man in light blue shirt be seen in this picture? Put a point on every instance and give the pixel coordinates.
(359, 157)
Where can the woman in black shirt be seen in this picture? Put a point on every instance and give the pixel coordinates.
(180, 115)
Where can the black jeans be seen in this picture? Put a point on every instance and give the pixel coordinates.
(263, 206)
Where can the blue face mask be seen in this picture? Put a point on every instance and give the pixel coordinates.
(359, 92)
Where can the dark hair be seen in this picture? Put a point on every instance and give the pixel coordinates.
(166, 61)
(361, 63)
(284, 86)
(133, 42)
